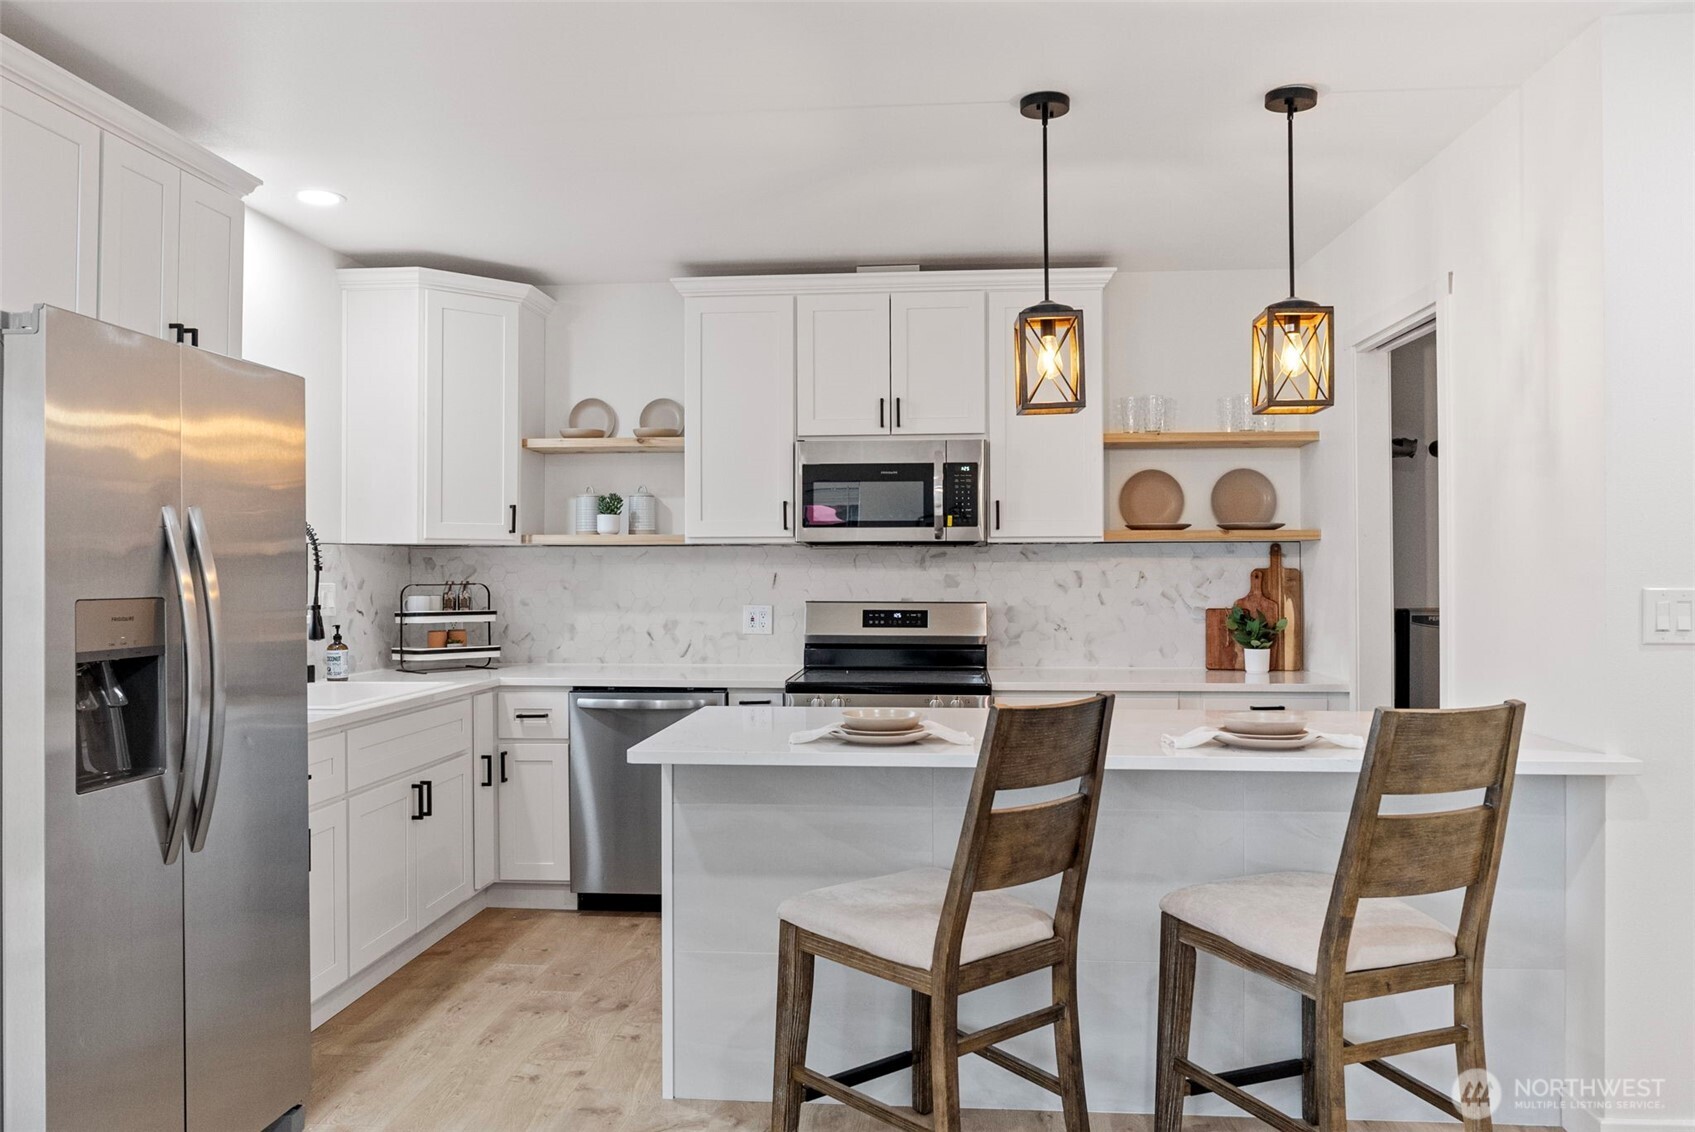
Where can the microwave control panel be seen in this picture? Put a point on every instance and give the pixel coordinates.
(959, 493)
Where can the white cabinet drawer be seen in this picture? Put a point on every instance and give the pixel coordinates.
(326, 767)
(534, 715)
(1269, 698)
(394, 746)
(1141, 701)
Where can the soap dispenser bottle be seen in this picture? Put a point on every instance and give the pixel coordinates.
(336, 658)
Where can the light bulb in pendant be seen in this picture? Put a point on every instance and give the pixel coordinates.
(1047, 362)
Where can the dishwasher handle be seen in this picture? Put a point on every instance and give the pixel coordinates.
(622, 703)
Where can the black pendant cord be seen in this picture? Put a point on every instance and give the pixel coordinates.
(1045, 289)
(1291, 185)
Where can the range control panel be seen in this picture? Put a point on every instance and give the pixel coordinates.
(895, 619)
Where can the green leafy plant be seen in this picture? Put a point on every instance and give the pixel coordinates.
(611, 504)
(1252, 631)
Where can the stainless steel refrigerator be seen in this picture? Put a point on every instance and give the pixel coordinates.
(154, 841)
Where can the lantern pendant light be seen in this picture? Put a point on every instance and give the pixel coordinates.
(1294, 362)
(1047, 340)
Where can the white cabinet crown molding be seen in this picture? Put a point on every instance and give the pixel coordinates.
(80, 97)
(378, 278)
(1009, 279)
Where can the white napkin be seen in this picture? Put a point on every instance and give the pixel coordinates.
(934, 730)
(1202, 735)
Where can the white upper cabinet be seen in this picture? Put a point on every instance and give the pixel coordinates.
(441, 375)
(49, 204)
(739, 401)
(108, 213)
(842, 365)
(1046, 471)
(140, 214)
(936, 374)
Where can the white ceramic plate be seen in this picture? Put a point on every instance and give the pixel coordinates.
(884, 739)
(1267, 742)
(592, 412)
(663, 413)
(892, 731)
(881, 719)
(1264, 723)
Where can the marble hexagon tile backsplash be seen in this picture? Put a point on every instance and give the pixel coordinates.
(1049, 605)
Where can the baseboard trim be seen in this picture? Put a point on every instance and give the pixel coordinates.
(517, 894)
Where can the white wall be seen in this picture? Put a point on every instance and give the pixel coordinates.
(1563, 217)
(291, 320)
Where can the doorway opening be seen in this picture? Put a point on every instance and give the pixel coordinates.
(1414, 492)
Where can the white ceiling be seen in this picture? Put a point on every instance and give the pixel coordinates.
(619, 141)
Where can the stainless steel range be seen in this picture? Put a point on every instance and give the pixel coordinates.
(894, 654)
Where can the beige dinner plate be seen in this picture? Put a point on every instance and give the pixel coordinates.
(1264, 723)
(1151, 499)
(663, 413)
(1268, 742)
(650, 433)
(1243, 496)
(880, 738)
(592, 412)
(581, 433)
(1249, 526)
(881, 719)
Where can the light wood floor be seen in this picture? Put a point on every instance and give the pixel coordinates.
(551, 1020)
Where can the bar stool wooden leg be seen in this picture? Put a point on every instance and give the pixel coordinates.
(1468, 1054)
(944, 1060)
(921, 1093)
(794, 1017)
(1330, 1093)
(1309, 1040)
(1176, 1001)
(1068, 1046)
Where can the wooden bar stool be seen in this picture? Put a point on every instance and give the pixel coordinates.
(943, 933)
(1337, 939)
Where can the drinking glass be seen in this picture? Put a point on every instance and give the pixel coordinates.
(1121, 413)
(1148, 413)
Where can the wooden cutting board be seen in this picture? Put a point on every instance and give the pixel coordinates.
(1223, 653)
(1283, 585)
(1258, 600)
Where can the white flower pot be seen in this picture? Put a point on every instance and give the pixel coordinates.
(1256, 662)
(607, 524)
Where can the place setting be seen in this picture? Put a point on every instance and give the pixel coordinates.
(883, 727)
(1262, 731)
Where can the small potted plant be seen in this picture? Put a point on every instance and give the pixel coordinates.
(1256, 635)
(610, 518)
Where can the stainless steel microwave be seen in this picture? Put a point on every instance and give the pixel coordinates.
(887, 490)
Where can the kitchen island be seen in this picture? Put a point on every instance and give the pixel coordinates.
(750, 819)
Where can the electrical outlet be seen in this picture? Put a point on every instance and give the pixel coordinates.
(756, 620)
(326, 598)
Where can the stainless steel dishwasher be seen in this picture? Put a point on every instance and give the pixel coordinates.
(615, 805)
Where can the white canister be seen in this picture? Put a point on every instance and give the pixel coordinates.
(644, 512)
(585, 508)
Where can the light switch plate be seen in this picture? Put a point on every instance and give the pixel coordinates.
(756, 620)
(1668, 616)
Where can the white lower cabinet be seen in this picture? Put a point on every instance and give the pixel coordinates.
(441, 842)
(485, 853)
(327, 896)
(533, 783)
(1272, 698)
(380, 909)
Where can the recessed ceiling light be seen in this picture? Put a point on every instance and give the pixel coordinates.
(323, 198)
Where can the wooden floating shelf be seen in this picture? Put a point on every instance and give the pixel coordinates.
(604, 540)
(1210, 439)
(1282, 534)
(559, 446)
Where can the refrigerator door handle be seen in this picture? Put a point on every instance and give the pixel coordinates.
(188, 608)
(202, 549)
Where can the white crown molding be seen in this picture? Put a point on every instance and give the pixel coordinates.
(391, 278)
(1016, 279)
(57, 85)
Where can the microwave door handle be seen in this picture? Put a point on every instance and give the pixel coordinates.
(938, 504)
(193, 710)
(201, 547)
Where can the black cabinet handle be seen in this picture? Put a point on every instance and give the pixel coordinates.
(488, 770)
(177, 328)
(193, 333)
(418, 808)
(531, 714)
(997, 514)
(881, 402)
(511, 518)
(503, 766)
(1267, 707)
(897, 412)
(429, 798)
(785, 514)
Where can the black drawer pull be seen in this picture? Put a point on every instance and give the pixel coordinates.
(429, 798)
(1267, 707)
(488, 769)
(503, 766)
(418, 807)
(531, 714)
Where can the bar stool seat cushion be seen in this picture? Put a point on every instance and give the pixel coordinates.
(1281, 916)
(894, 917)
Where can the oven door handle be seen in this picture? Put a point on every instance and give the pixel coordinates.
(937, 503)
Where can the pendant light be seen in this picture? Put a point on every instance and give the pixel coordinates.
(1047, 341)
(1294, 363)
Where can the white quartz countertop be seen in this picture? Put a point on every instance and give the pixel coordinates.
(759, 736)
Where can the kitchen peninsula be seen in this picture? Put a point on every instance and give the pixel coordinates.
(750, 819)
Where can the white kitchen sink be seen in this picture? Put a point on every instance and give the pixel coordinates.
(339, 696)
